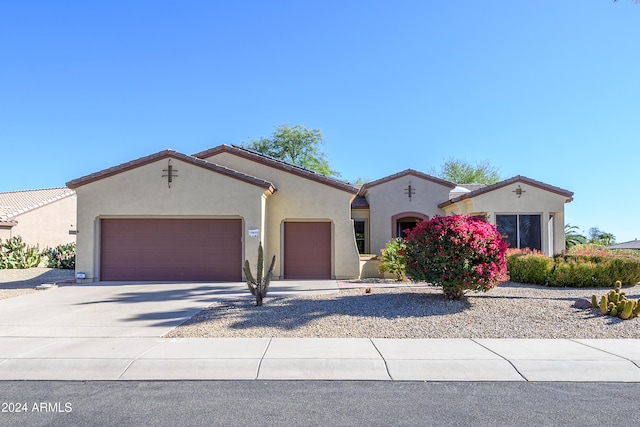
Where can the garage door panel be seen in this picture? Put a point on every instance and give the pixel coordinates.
(171, 249)
(307, 250)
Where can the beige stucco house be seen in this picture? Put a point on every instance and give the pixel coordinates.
(46, 217)
(172, 216)
(528, 212)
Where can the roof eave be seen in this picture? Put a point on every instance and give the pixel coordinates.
(278, 164)
(106, 173)
(403, 173)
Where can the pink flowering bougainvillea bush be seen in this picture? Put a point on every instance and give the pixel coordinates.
(460, 253)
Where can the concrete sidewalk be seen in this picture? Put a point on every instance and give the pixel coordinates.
(110, 331)
(123, 358)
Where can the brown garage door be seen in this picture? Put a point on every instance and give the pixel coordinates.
(307, 250)
(171, 249)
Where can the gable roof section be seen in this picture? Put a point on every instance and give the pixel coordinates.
(360, 202)
(404, 173)
(15, 203)
(278, 164)
(518, 178)
(175, 155)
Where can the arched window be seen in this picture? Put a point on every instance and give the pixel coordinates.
(402, 223)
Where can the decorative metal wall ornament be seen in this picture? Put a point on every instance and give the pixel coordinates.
(409, 191)
(519, 191)
(169, 173)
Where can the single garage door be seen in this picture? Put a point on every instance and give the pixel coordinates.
(307, 250)
(171, 249)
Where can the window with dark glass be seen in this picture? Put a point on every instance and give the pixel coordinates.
(405, 225)
(359, 230)
(521, 231)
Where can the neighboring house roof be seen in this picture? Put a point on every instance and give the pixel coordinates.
(634, 244)
(16, 203)
(170, 154)
(472, 187)
(404, 173)
(278, 164)
(464, 189)
(518, 178)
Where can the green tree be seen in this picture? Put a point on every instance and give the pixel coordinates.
(599, 237)
(296, 145)
(572, 237)
(462, 172)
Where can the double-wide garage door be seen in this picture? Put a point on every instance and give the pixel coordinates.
(171, 249)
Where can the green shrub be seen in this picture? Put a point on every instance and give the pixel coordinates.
(393, 259)
(574, 272)
(14, 253)
(582, 266)
(594, 270)
(527, 266)
(62, 256)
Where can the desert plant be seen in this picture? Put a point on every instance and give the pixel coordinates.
(14, 253)
(259, 286)
(458, 252)
(393, 259)
(62, 256)
(594, 269)
(528, 266)
(616, 304)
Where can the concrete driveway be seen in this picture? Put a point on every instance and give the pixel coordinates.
(113, 309)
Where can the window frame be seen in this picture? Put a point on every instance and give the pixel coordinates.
(518, 237)
(365, 235)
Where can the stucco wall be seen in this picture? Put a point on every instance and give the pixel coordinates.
(388, 199)
(301, 199)
(143, 192)
(533, 200)
(48, 225)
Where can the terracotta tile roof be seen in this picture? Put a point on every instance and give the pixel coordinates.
(278, 164)
(15, 203)
(406, 172)
(518, 178)
(170, 154)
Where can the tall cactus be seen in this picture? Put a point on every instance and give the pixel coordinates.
(259, 286)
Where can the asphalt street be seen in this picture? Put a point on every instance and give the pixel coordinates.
(315, 403)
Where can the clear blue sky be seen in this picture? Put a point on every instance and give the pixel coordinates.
(546, 89)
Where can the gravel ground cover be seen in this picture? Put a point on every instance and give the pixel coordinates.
(510, 310)
(16, 282)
